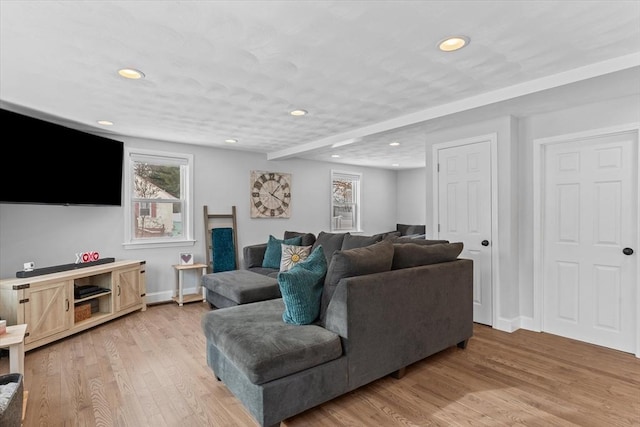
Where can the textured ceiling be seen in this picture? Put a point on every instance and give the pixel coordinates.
(368, 72)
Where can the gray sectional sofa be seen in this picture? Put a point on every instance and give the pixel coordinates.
(384, 306)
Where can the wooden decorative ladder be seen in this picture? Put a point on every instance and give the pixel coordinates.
(210, 221)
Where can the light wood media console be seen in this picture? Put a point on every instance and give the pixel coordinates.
(46, 303)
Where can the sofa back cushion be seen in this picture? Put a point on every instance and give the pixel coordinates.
(301, 289)
(375, 258)
(306, 239)
(330, 242)
(417, 241)
(407, 255)
(388, 235)
(273, 254)
(411, 229)
(351, 242)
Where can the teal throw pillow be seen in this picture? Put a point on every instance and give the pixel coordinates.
(301, 288)
(273, 254)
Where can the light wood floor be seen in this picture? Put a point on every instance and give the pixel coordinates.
(149, 369)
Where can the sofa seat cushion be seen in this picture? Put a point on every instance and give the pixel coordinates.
(270, 272)
(242, 286)
(256, 340)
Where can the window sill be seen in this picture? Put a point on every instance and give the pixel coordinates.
(159, 244)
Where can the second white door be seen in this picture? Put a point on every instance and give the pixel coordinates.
(590, 223)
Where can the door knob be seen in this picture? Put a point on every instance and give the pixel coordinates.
(485, 243)
(627, 251)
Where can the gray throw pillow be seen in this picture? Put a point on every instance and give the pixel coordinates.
(351, 242)
(306, 239)
(407, 255)
(330, 242)
(370, 259)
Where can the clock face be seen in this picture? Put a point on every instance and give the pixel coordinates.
(270, 194)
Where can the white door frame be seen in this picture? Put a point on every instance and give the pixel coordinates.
(493, 142)
(539, 146)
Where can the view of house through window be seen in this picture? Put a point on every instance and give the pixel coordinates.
(345, 201)
(157, 203)
(159, 200)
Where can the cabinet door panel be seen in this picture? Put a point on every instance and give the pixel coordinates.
(48, 310)
(127, 288)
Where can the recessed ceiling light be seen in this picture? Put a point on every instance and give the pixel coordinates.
(298, 112)
(130, 73)
(394, 144)
(453, 43)
(395, 164)
(231, 141)
(335, 156)
(105, 123)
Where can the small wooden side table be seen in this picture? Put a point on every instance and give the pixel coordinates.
(14, 339)
(180, 298)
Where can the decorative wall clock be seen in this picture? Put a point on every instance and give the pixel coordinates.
(270, 194)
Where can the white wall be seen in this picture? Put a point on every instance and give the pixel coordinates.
(411, 196)
(51, 235)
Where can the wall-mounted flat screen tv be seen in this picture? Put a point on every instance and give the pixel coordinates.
(47, 163)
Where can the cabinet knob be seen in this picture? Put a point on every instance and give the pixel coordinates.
(485, 243)
(627, 251)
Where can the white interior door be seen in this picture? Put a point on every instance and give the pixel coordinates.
(589, 218)
(464, 214)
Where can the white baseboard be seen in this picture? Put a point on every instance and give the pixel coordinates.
(529, 324)
(165, 296)
(520, 322)
(507, 325)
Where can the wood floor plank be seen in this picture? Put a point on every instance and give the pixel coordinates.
(149, 369)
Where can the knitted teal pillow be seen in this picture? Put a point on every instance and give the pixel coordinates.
(301, 288)
(274, 251)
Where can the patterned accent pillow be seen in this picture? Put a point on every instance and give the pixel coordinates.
(301, 289)
(291, 255)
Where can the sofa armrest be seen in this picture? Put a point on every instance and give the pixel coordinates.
(393, 319)
(254, 255)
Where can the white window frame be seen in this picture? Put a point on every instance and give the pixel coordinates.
(186, 181)
(356, 178)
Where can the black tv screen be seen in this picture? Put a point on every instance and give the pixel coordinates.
(47, 163)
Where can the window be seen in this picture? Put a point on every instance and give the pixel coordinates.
(345, 201)
(158, 199)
